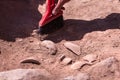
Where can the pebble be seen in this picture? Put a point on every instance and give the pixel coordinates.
(52, 49)
(34, 33)
(67, 61)
(73, 47)
(90, 58)
(78, 65)
(30, 60)
(19, 39)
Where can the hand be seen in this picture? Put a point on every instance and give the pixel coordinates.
(59, 5)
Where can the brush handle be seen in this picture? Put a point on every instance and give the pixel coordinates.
(47, 17)
(50, 5)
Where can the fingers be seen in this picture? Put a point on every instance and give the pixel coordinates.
(59, 5)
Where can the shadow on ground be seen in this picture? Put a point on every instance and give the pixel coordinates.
(76, 29)
(18, 18)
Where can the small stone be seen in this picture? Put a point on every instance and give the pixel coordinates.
(78, 65)
(30, 60)
(79, 76)
(52, 49)
(61, 57)
(19, 39)
(31, 40)
(90, 58)
(73, 47)
(67, 61)
(34, 32)
(69, 78)
(82, 76)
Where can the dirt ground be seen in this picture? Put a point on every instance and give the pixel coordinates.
(92, 24)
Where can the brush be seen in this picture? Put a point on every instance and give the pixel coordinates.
(50, 23)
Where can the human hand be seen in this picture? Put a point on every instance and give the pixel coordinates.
(59, 5)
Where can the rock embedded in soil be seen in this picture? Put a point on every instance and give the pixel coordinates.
(106, 62)
(82, 76)
(25, 74)
(107, 68)
(50, 46)
(73, 47)
(78, 65)
(90, 58)
(79, 76)
(19, 39)
(61, 57)
(30, 60)
(66, 61)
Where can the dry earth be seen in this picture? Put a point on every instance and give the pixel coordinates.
(93, 25)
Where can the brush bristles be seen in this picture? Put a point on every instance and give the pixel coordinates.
(52, 26)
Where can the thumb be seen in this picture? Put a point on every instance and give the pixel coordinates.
(58, 6)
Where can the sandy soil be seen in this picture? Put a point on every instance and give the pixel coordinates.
(92, 24)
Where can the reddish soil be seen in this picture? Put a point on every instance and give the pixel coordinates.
(92, 24)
